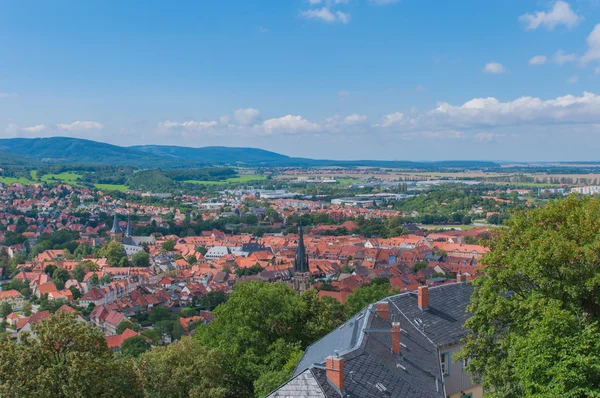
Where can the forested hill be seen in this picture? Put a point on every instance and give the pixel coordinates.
(65, 150)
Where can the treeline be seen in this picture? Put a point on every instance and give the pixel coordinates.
(204, 174)
(253, 345)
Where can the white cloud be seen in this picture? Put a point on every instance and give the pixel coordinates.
(79, 126)
(261, 29)
(327, 15)
(490, 112)
(538, 60)
(486, 137)
(420, 89)
(247, 116)
(289, 124)
(573, 79)
(494, 68)
(432, 135)
(353, 120)
(190, 125)
(391, 119)
(593, 42)
(313, 2)
(560, 14)
(38, 128)
(560, 57)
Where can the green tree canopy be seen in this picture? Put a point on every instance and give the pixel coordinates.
(127, 325)
(536, 309)
(67, 359)
(114, 253)
(140, 259)
(258, 329)
(168, 245)
(134, 346)
(185, 369)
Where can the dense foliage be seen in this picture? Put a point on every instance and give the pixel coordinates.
(536, 310)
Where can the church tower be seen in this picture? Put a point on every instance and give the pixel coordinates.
(115, 233)
(129, 230)
(301, 270)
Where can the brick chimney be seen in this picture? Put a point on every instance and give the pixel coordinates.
(461, 277)
(396, 337)
(334, 366)
(383, 310)
(423, 298)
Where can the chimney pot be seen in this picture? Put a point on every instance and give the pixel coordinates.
(383, 310)
(396, 334)
(423, 298)
(334, 366)
(461, 278)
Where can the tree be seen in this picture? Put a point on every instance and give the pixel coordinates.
(159, 313)
(49, 269)
(258, 329)
(94, 281)
(134, 346)
(67, 359)
(164, 328)
(185, 369)
(178, 330)
(140, 259)
(75, 292)
(128, 325)
(26, 308)
(419, 265)
(60, 276)
(105, 280)
(536, 308)
(168, 245)
(114, 252)
(212, 299)
(5, 309)
(152, 335)
(78, 272)
(321, 315)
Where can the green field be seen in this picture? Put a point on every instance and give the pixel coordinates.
(241, 179)
(112, 187)
(65, 177)
(12, 180)
(33, 174)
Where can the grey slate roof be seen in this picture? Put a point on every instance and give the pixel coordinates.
(443, 322)
(303, 385)
(364, 342)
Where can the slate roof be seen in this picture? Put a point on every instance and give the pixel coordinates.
(364, 342)
(442, 323)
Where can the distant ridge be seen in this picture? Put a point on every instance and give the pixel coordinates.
(65, 150)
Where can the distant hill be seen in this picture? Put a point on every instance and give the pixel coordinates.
(212, 154)
(11, 159)
(74, 150)
(64, 150)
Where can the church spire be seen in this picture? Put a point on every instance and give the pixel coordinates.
(301, 260)
(129, 230)
(115, 228)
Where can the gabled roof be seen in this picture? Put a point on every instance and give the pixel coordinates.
(364, 343)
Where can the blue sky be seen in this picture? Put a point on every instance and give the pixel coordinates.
(341, 79)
